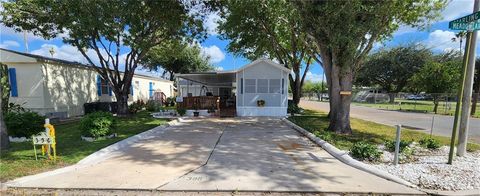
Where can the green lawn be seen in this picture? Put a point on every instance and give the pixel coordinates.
(444, 108)
(317, 123)
(19, 160)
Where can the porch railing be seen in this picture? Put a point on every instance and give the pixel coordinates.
(200, 103)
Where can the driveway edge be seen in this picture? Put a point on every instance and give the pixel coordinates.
(345, 158)
(93, 158)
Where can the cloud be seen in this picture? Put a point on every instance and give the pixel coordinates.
(441, 40)
(214, 53)
(219, 68)
(9, 44)
(456, 9)
(211, 23)
(313, 77)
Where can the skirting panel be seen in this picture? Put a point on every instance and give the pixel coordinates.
(261, 111)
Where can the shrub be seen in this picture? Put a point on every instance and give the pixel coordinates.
(171, 101)
(429, 143)
(24, 124)
(292, 108)
(136, 106)
(97, 124)
(100, 106)
(152, 106)
(181, 111)
(390, 145)
(365, 151)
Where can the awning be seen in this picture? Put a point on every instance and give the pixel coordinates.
(210, 78)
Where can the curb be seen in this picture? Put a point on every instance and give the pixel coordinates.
(345, 158)
(95, 157)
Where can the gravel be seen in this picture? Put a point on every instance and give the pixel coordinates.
(429, 169)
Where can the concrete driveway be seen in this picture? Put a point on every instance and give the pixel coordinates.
(257, 154)
(416, 121)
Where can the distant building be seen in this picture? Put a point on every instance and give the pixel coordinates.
(59, 88)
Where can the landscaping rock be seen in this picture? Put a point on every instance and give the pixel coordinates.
(18, 139)
(429, 169)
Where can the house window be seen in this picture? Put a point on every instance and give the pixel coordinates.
(104, 86)
(241, 86)
(283, 86)
(262, 86)
(250, 85)
(274, 86)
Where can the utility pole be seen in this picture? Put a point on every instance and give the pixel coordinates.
(467, 91)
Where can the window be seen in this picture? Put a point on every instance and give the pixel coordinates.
(105, 87)
(241, 86)
(283, 86)
(250, 85)
(274, 86)
(262, 86)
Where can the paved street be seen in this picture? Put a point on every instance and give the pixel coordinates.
(256, 154)
(442, 125)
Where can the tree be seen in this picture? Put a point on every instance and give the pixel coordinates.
(268, 28)
(118, 32)
(314, 87)
(344, 32)
(476, 87)
(176, 57)
(5, 95)
(392, 69)
(438, 77)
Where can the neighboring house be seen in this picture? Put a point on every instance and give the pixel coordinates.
(239, 91)
(59, 88)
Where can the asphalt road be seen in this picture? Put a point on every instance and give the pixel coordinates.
(417, 121)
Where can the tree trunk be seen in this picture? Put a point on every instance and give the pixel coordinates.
(4, 142)
(340, 80)
(435, 104)
(392, 97)
(296, 89)
(122, 105)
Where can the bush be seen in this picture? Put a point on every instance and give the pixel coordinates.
(181, 111)
(24, 124)
(390, 145)
(292, 108)
(429, 143)
(136, 106)
(153, 106)
(100, 106)
(365, 151)
(171, 101)
(97, 124)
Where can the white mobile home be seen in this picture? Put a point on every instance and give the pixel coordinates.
(59, 88)
(257, 89)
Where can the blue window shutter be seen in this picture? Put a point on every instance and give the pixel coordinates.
(99, 85)
(12, 77)
(109, 90)
(131, 88)
(150, 89)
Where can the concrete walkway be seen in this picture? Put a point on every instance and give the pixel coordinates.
(417, 121)
(227, 155)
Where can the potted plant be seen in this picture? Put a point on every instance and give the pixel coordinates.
(196, 113)
(260, 103)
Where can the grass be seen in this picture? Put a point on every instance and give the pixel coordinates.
(444, 108)
(370, 132)
(19, 160)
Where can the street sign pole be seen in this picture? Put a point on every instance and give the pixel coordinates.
(467, 91)
(470, 23)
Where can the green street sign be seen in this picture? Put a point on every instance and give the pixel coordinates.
(470, 22)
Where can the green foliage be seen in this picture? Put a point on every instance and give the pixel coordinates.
(391, 69)
(314, 87)
(153, 106)
(108, 29)
(181, 111)
(24, 124)
(430, 143)
(293, 109)
(177, 57)
(365, 151)
(97, 124)
(136, 106)
(390, 145)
